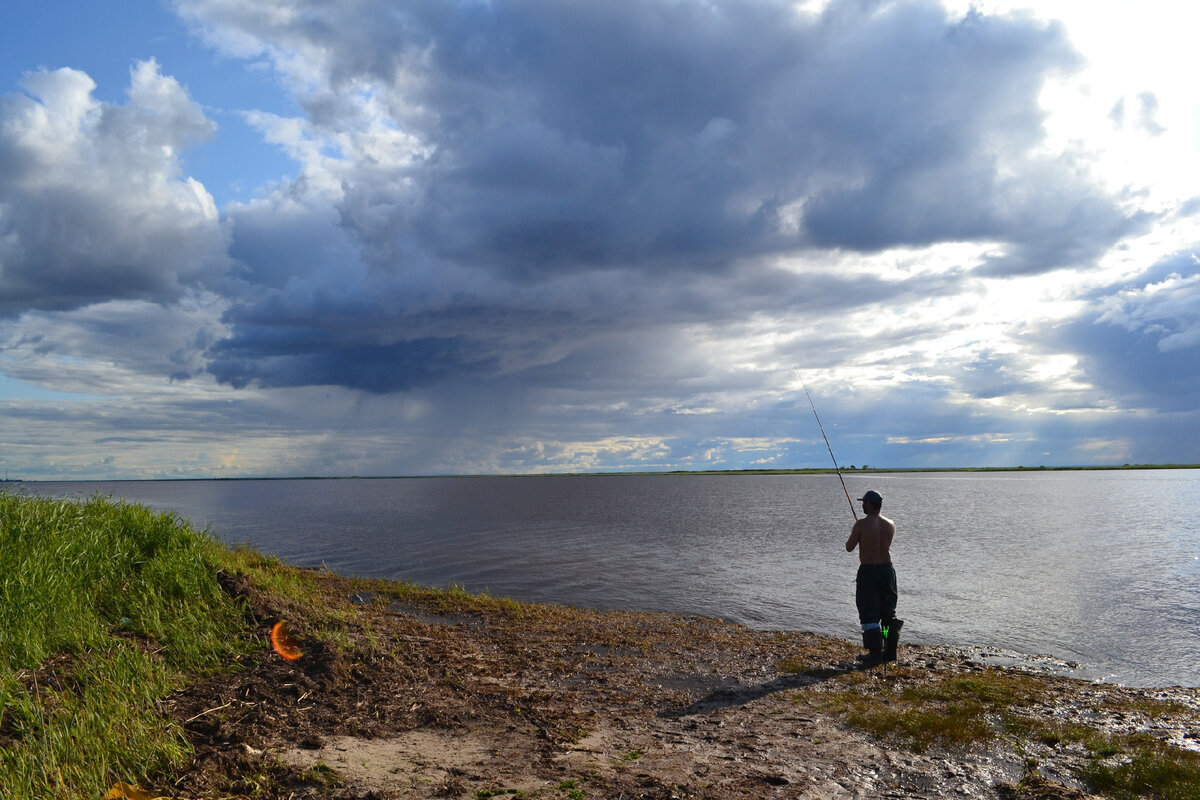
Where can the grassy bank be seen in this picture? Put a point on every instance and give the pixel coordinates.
(113, 624)
(105, 609)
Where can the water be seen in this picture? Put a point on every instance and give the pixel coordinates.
(1099, 568)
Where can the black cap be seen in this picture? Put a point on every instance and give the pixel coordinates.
(873, 497)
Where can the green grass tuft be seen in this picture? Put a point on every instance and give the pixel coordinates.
(1152, 772)
(962, 710)
(955, 711)
(105, 607)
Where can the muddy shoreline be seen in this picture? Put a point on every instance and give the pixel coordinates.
(436, 697)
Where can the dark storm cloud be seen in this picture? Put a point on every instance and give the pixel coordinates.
(1043, 219)
(1134, 368)
(500, 158)
(935, 145)
(567, 136)
(302, 360)
(992, 375)
(1141, 344)
(626, 328)
(570, 135)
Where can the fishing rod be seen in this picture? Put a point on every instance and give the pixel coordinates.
(829, 447)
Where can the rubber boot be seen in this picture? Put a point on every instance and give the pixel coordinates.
(892, 639)
(873, 641)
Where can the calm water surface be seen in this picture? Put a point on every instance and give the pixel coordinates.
(1100, 568)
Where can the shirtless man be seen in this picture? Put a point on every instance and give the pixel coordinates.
(876, 593)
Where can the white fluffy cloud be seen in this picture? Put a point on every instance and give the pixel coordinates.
(93, 202)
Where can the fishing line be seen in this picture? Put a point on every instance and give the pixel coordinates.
(829, 447)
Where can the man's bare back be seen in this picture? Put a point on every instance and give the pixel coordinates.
(872, 535)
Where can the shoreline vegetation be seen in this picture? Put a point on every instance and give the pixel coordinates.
(138, 663)
(865, 469)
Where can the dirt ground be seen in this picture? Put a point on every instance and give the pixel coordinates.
(410, 701)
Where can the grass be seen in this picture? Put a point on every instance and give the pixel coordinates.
(572, 790)
(105, 608)
(1152, 771)
(952, 711)
(301, 589)
(322, 775)
(959, 711)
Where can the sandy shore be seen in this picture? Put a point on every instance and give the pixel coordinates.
(426, 699)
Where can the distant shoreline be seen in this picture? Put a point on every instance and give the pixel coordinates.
(851, 470)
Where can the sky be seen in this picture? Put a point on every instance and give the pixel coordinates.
(300, 238)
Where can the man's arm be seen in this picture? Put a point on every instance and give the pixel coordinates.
(852, 542)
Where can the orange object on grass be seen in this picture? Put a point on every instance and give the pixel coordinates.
(284, 644)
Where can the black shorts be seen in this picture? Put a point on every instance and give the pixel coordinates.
(876, 593)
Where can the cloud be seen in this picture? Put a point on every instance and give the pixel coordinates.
(93, 202)
(489, 188)
(112, 346)
(1140, 341)
(938, 139)
(1167, 310)
(528, 234)
(1144, 119)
